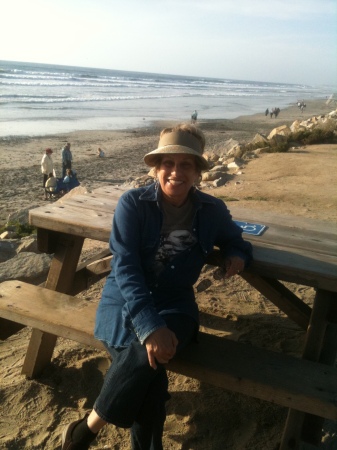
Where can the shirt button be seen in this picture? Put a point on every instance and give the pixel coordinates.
(172, 267)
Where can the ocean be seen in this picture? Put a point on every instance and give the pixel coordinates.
(41, 99)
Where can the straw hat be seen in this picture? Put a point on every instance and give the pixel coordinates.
(177, 142)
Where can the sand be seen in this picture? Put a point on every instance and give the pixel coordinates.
(200, 417)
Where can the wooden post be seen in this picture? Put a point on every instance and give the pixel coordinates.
(60, 278)
(303, 429)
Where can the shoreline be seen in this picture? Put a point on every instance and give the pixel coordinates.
(319, 104)
(124, 150)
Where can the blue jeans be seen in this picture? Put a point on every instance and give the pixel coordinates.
(134, 395)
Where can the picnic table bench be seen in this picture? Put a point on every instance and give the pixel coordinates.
(298, 250)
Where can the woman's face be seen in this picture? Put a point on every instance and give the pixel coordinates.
(176, 175)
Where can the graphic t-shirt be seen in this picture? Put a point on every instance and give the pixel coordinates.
(176, 233)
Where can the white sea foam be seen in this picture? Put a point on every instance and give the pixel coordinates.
(42, 99)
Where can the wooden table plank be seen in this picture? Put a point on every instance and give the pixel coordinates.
(296, 222)
(92, 202)
(297, 249)
(83, 210)
(304, 267)
(77, 221)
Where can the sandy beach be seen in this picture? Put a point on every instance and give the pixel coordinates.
(20, 156)
(300, 182)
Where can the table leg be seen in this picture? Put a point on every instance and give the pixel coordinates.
(321, 345)
(282, 297)
(60, 278)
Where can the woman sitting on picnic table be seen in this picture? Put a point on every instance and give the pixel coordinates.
(160, 239)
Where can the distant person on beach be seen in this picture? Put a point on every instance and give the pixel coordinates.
(100, 153)
(51, 185)
(47, 167)
(275, 112)
(160, 239)
(301, 105)
(266, 112)
(70, 180)
(67, 158)
(194, 116)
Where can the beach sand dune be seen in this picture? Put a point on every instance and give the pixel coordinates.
(199, 416)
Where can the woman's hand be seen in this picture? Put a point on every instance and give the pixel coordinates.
(161, 346)
(233, 266)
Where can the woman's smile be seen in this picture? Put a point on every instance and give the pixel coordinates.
(177, 173)
(174, 182)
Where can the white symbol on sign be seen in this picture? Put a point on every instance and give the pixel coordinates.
(249, 227)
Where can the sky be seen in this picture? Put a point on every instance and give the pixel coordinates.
(289, 41)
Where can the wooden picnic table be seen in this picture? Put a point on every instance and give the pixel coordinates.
(292, 249)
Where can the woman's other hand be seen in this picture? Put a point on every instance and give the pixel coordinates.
(161, 346)
(233, 266)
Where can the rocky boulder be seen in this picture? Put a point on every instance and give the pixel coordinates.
(28, 244)
(259, 139)
(211, 176)
(282, 130)
(219, 182)
(21, 216)
(27, 266)
(221, 168)
(7, 249)
(229, 145)
(211, 157)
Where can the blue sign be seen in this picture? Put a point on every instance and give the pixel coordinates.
(251, 228)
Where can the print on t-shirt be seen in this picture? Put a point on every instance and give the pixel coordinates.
(171, 244)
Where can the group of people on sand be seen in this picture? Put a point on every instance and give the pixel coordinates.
(301, 105)
(52, 185)
(274, 112)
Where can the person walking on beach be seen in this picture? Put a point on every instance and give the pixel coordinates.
(67, 158)
(160, 238)
(47, 167)
(194, 116)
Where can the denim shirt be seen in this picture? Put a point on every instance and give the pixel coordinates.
(134, 298)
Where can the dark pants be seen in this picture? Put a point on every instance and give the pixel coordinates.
(134, 395)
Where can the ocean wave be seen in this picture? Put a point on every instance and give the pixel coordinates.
(53, 79)
(25, 99)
